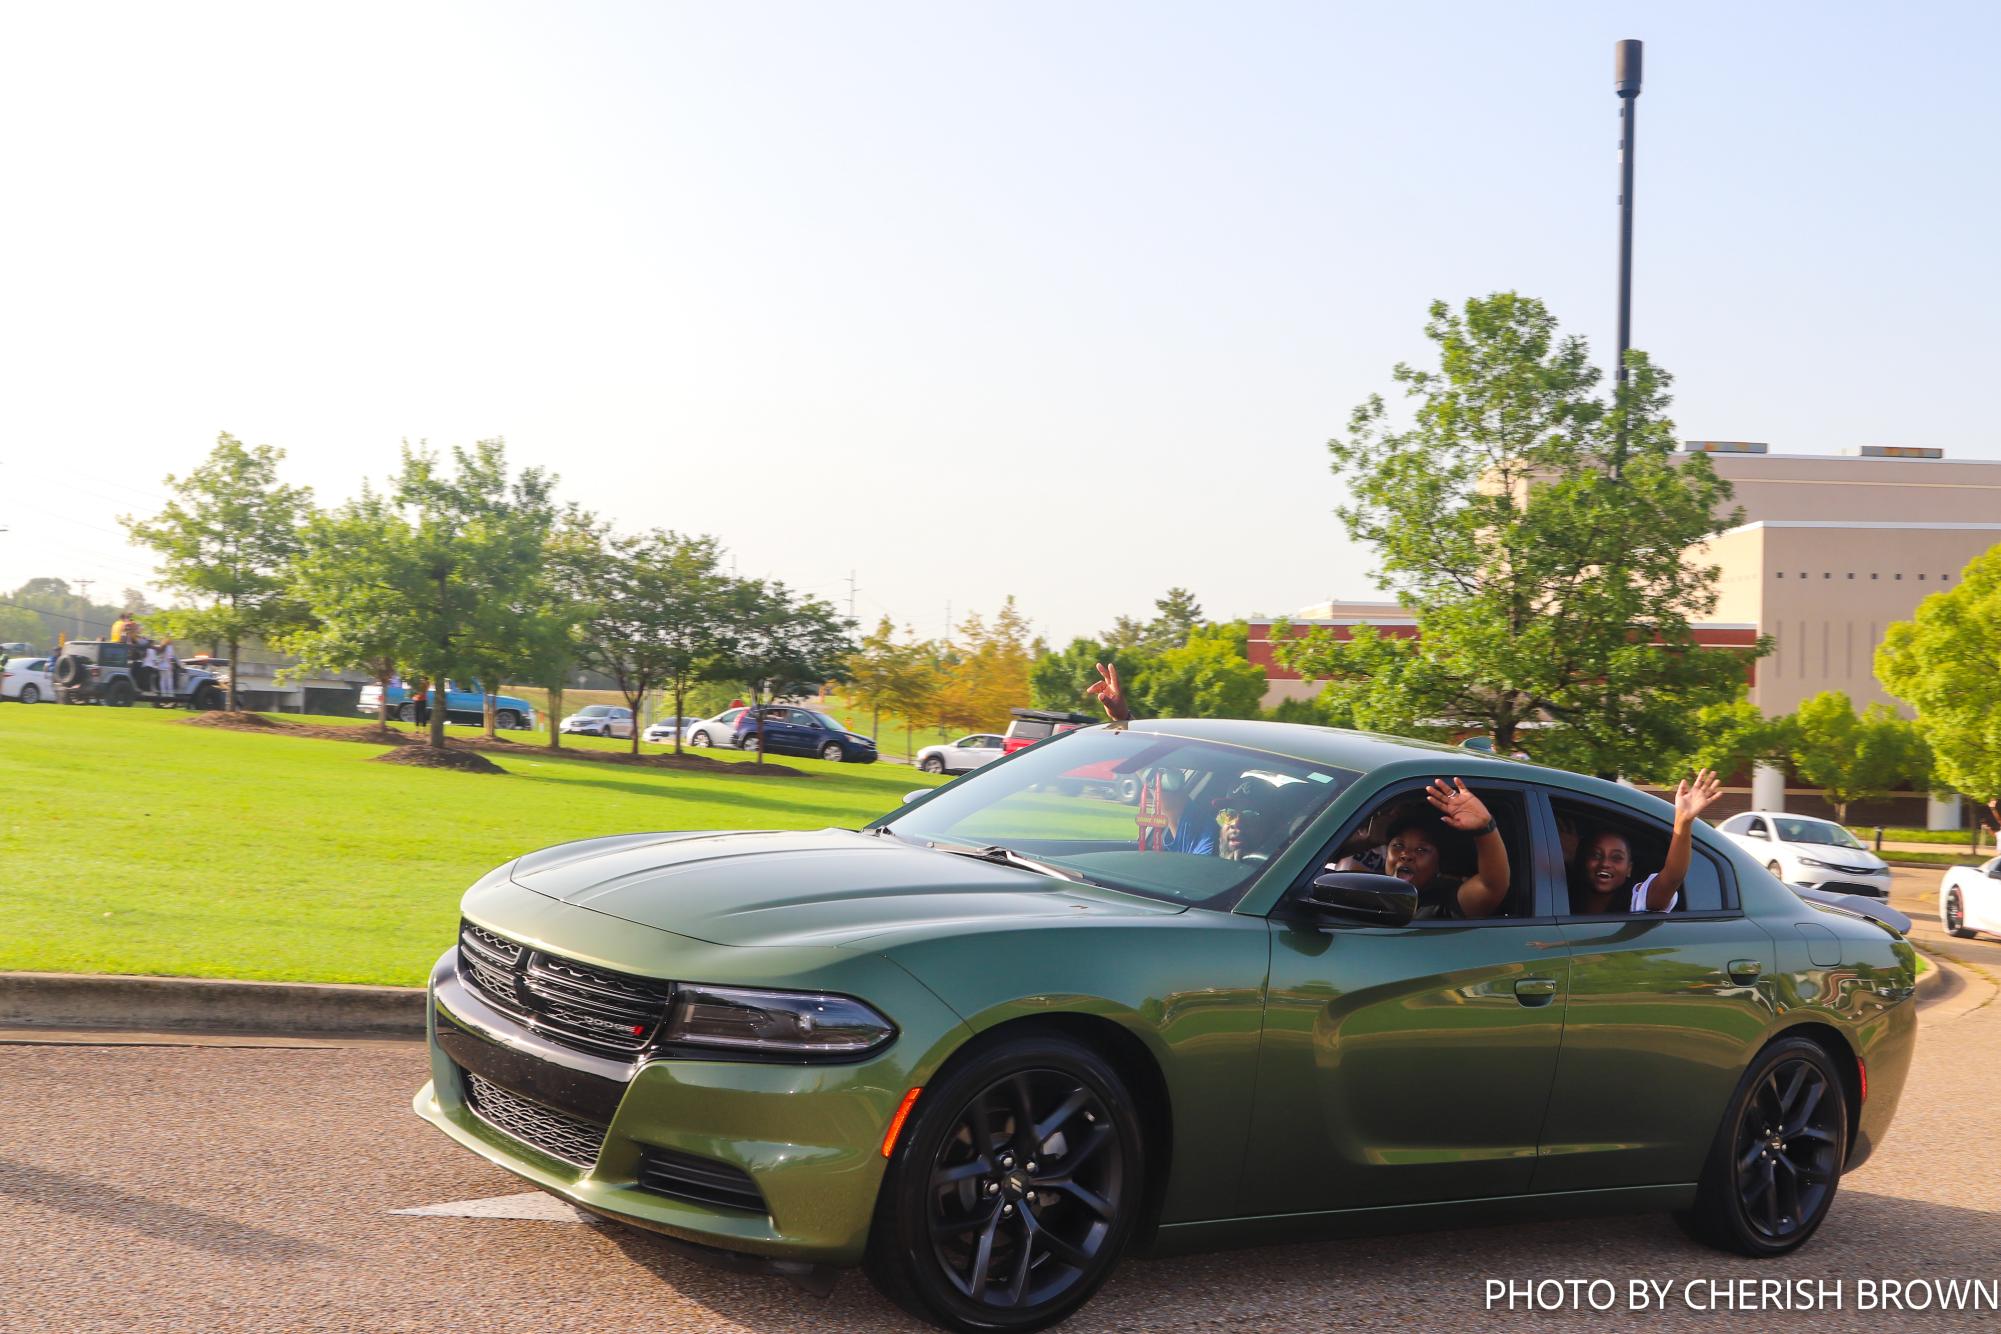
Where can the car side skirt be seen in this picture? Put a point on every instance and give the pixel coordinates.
(1186, 1238)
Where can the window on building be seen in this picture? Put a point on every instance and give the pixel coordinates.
(1851, 574)
(1921, 578)
(1872, 574)
(1899, 576)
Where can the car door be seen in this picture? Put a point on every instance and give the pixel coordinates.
(1664, 1010)
(963, 754)
(985, 750)
(1402, 1065)
(1980, 895)
(783, 731)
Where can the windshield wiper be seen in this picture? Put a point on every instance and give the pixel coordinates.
(994, 852)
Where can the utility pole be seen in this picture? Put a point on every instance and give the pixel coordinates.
(1626, 82)
(83, 584)
(851, 595)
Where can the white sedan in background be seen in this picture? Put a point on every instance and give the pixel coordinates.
(661, 730)
(957, 757)
(27, 679)
(1969, 898)
(717, 731)
(1803, 850)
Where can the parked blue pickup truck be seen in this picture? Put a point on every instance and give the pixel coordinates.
(463, 704)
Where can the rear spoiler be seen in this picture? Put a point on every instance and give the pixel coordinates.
(1855, 905)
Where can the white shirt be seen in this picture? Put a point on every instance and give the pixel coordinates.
(1640, 896)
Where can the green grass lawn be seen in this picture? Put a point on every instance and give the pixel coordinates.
(1951, 838)
(131, 842)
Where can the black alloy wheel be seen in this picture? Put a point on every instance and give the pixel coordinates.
(1776, 1162)
(120, 694)
(1013, 1192)
(831, 752)
(206, 697)
(1955, 912)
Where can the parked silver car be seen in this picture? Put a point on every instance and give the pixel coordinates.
(599, 720)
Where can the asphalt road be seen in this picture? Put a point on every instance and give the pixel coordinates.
(254, 1187)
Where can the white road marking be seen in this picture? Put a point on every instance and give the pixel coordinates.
(534, 1205)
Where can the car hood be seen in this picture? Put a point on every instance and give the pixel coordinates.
(1823, 852)
(831, 887)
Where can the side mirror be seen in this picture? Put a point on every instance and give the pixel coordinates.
(909, 797)
(1363, 898)
(1994, 874)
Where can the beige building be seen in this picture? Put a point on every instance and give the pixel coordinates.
(1833, 549)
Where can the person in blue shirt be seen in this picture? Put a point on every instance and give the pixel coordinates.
(1187, 831)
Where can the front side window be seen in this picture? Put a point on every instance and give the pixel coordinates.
(823, 722)
(1206, 819)
(1439, 852)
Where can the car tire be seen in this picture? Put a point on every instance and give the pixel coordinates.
(1955, 911)
(206, 698)
(699, 739)
(30, 695)
(1129, 788)
(1048, 1203)
(933, 764)
(748, 741)
(1775, 1164)
(832, 752)
(406, 713)
(507, 720)
(120, 694)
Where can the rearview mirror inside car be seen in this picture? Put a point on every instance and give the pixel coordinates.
(1363, 897)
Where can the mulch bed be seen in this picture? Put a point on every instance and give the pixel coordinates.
(410, 748)
(423, 757)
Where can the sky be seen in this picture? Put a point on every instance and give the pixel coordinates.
(1057, 300)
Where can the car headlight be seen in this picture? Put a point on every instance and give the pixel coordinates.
(783, 1023)
(1824, 866)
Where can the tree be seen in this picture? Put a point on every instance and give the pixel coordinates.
(1735, 736)
(575, 568)
(660, 618)
(1059, 680)
(992, 672)
(1179, 614)
(356, 575)
(226, 541)
(1207, 677)
(18, 625)
(1944, 662)
(781, 642)
(871, 670)
(1537, 534)
(1852, 759)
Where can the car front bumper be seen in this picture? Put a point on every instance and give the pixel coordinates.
(1870, 884)
(808, 1136)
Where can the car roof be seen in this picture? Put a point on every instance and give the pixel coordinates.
(1367, 751)
(1789, 815)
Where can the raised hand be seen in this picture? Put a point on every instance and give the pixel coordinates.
(1107, 692)
(1459, 808)
(1692, 799)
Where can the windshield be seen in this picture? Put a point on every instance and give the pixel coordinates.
(1816, 831)
(593, 711)
(1188, 821)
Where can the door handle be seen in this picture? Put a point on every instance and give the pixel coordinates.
(1745, 970)
(1535, 990)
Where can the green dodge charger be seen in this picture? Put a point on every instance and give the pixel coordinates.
(1024, 1024)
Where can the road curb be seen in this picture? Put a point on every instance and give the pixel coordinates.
(208, 1005)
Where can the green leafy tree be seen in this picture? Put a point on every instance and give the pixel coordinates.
(226, 542)
(1944, 662)
(355, 573)
(781, 642)
(575, 566)
(1059, 680)
(661, 618)
(871, 670)
(479, 537)
(1853, 758)
(1734, 736)
(1206, 677)
(18, 625)
(1537, 533)
(991, 674)
(1177, 615)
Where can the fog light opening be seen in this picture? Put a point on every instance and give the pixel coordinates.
(896, 1122)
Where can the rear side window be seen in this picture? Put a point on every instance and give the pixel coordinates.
(1583, 824)
(1029, 729)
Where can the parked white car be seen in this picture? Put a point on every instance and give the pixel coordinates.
(718, 731)
(27, 679)
(662, 730)
(599, 720)
(1969, 898)
(957, 757)
(1803, 850)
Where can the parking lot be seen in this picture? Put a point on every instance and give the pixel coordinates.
(169, 1183)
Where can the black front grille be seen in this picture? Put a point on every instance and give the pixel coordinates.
(577, 1004)
(555, 1133)
(1845, 887)
(701, 1180)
